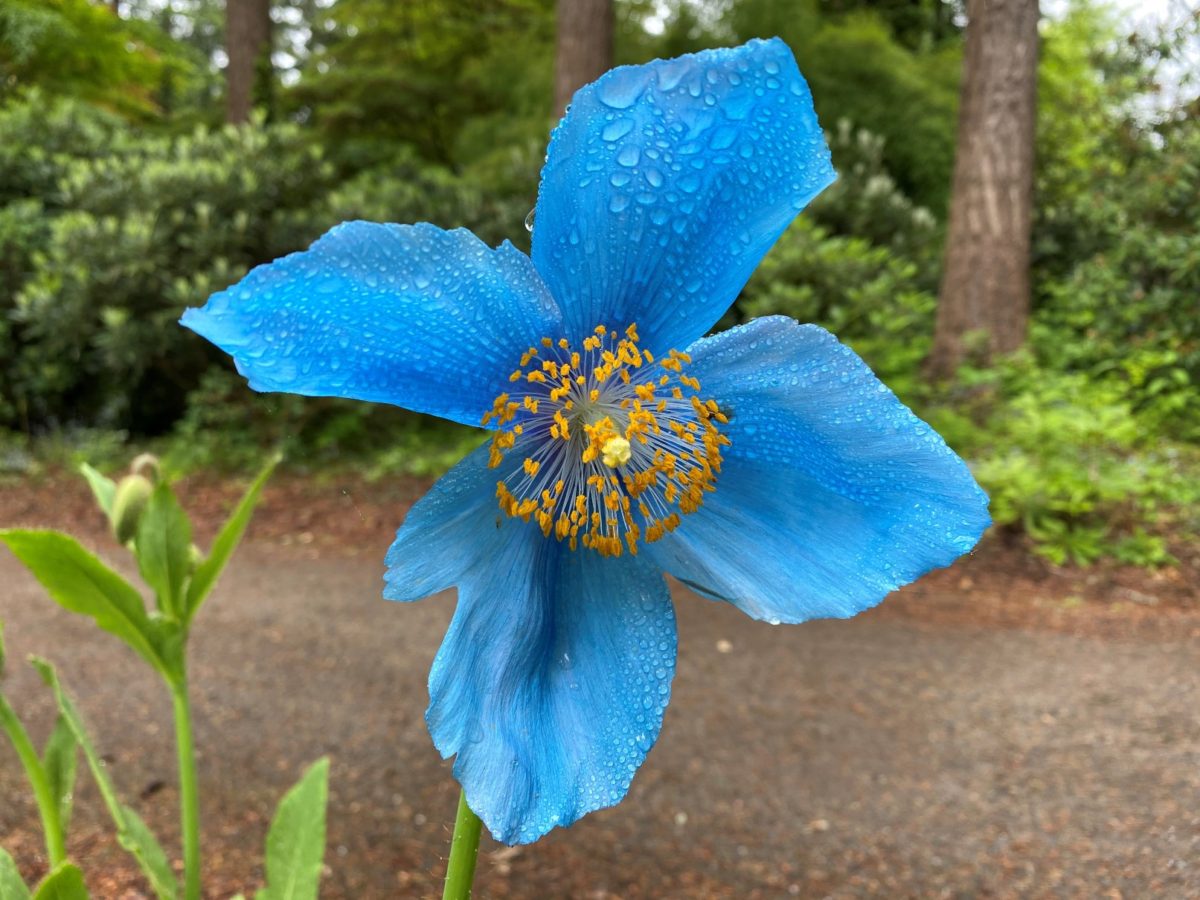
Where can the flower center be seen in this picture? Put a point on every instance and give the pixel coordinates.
(616, 444)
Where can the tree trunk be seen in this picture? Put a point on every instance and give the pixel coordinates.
(248, 45)
(584, 49)
(983, 304)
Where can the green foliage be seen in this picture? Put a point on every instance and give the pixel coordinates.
(154, 225)
(227, 426)
(163, 543)
(59, 758)
(81, 49)
(296, 840)
(51, 775)
(64, 882)
(440, 76)
(1064, 457)
(104, 489)
(1116, 232)
(181, 577)
(81, 583)
(132, 833)
(868, 296)
(206, 572)
(11, 885)
(866, 202)
(1127, 310)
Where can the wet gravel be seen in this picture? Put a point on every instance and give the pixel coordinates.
(888, 756)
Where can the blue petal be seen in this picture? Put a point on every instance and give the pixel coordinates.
(453, 529)
(832, 493)
(552, 681)
(411, 315)
(665, 184)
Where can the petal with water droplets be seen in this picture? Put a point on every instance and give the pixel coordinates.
(831, 494)
(679, 171)
(551, 683)
(412, 315)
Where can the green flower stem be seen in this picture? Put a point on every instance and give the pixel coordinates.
(189, 801)
(464, 851)
(47, 806)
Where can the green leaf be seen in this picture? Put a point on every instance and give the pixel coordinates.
(11, 885)
(223, 546)
(80, 583)
(65, 882)
(59, 760)
(103, 489)
(163, 541)
(139, 840)
(296, 841)
(132, 832)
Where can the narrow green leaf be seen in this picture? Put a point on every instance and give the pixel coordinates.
(11, 885)
(79, 582)
(103, 489)
(139, 840)
(65, 882)
(223, 546)
(296, 841)
(163, 541)
(132, 832)
(59, 759)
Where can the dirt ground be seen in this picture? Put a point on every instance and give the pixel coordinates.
(1001, 729)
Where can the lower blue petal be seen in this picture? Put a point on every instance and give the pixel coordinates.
(451, 530)
(552, 680)
(412, 315)
(832, 493)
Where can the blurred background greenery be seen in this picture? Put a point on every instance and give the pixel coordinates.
(125, 197)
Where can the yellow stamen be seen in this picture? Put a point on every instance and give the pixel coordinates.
(622, 436)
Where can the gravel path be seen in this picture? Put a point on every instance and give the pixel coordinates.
(887, 756)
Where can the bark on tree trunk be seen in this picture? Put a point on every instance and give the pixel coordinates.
(985, 288)
(584, 48)
(247, 43)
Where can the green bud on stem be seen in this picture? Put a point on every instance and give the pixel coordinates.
(133, 492)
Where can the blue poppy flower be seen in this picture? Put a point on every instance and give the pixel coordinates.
(764, 467)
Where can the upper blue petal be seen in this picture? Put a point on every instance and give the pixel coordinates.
(552, 680)
(832, 493)
(666, 183)
(412, 315)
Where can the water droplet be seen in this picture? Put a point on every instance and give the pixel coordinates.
(529, 219)
(671, 72)
(616, 130)
(629, 156)
(723, 138)
(621, 87)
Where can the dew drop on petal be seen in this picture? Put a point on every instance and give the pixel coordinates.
(617, 129)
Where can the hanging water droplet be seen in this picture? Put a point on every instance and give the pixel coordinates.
(529, 220)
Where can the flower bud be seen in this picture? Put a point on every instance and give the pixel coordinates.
(146, 464)
(133, 492)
